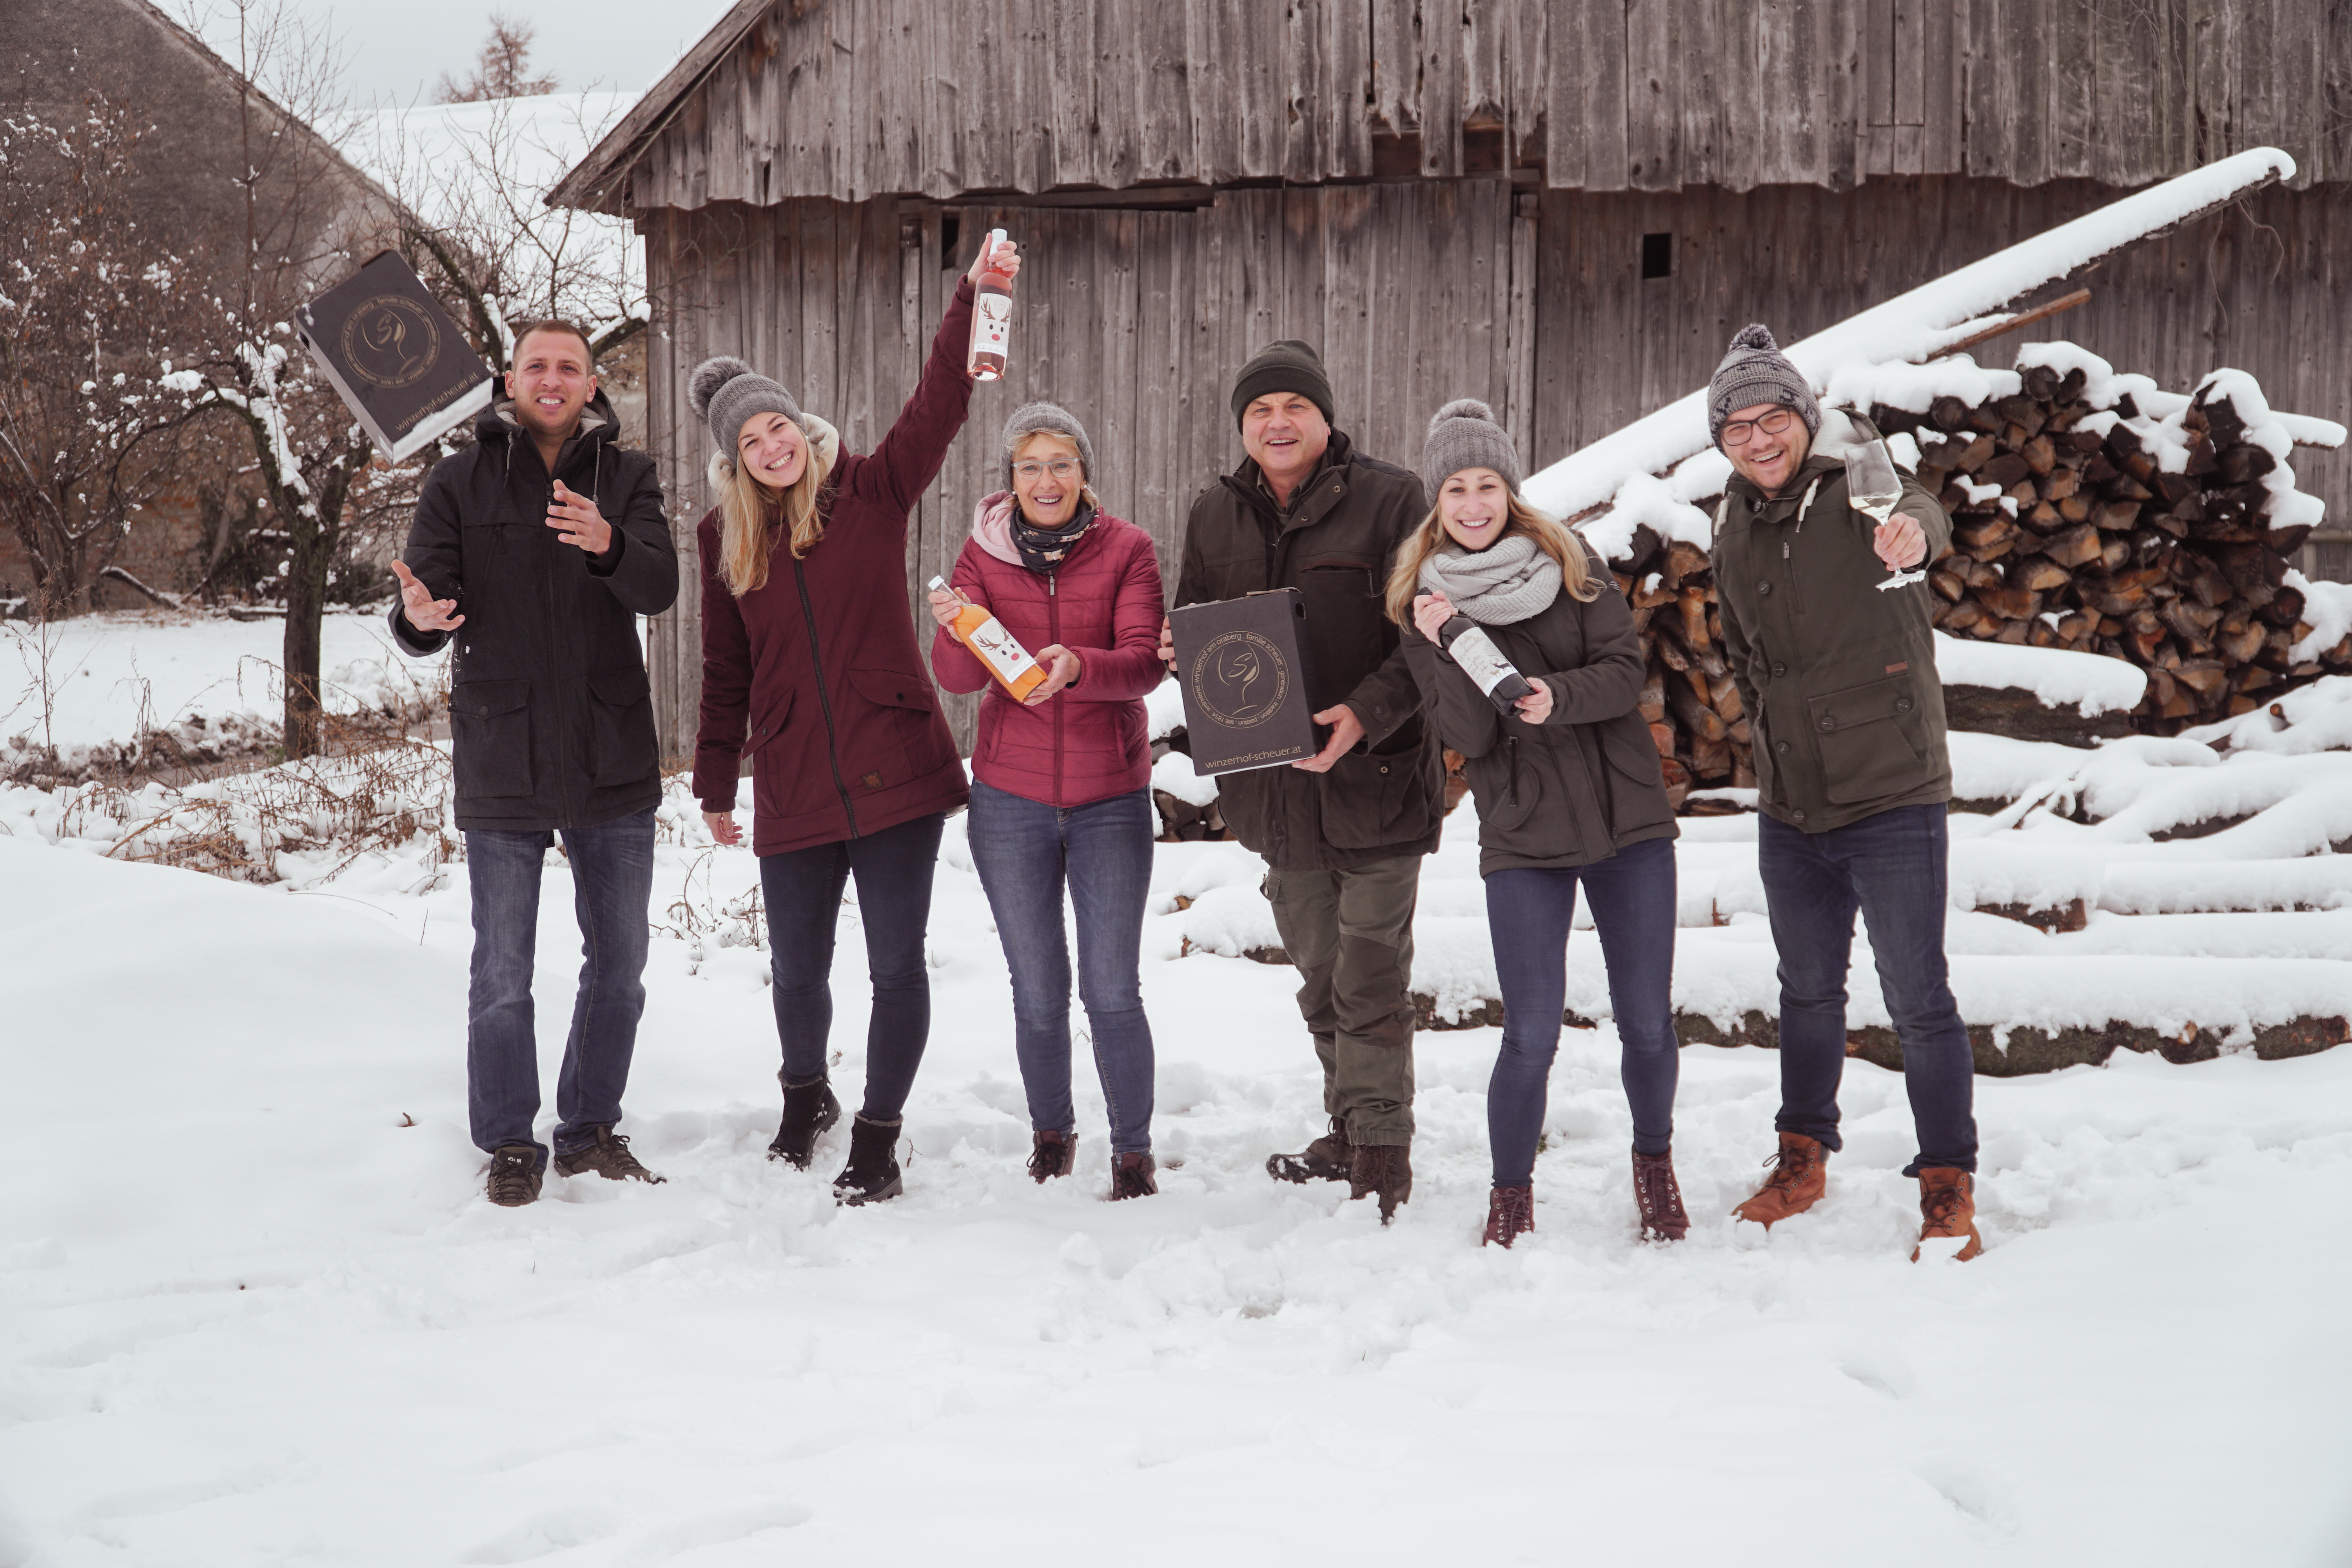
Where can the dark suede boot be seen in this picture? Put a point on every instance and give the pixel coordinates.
(810, 1109)
(1659, 1199)
(608, 1157)
(872, 1174)
(1510, 1214)
(514, 1177)
(1051, 1155)
(1385, 1169)
(1131, 1177)
(1327, 1159)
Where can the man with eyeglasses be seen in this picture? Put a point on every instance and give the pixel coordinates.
(1836, 663)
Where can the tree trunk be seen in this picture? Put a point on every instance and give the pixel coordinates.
(311, 548)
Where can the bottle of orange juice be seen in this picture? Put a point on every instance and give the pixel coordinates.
(996, 648)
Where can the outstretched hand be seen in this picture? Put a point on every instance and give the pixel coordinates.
(577, 521)
(419, 608)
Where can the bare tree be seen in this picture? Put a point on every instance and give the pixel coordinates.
(308, 216)
(502, 70)
(93, 314)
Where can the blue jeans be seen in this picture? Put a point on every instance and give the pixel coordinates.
(612, 891)
(802, 891)
(1025, 851)
(1893, 867)
(1529, 911)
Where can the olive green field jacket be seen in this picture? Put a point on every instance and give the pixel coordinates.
(1334, 545)
(1838, 676)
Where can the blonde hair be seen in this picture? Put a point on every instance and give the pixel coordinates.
(1554, 538)
(1012, 455)
(748, 513)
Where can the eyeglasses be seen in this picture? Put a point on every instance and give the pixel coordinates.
(1739, 431)
(1060, 468)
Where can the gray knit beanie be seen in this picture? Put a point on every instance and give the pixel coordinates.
(1464, 435)
(1286, 364)
(1034, 416)
(724, 392)
(1754, 370)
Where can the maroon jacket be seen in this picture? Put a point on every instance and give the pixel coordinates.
(1087, 741)
(818, 673)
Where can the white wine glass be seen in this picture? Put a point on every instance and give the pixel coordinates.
(1875, 489)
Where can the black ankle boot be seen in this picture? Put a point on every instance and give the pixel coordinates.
(809, 1109)
(872, 1174)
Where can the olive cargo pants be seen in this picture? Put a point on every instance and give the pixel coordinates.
(1351, 935)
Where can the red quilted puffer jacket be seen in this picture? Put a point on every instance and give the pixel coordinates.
(1087, 742)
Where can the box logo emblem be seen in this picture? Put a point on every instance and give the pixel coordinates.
(389, 342)
(1239, 679)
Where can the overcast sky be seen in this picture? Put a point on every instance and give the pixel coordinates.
(398, 50)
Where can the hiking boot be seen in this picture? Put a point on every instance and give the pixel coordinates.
(1327, 1159)
(1510, 1214)
(1130, 1177)
(872, 1174)
(1385, 1169)
(810, 1109)
(1051, 1155)
(1661, 1201)
(1800, 1178)
(514, 1175)
(609, 1157)
(1948, 1211)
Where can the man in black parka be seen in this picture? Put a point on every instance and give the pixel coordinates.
(537, 548)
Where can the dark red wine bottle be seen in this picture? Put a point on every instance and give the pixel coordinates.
(1483, 663)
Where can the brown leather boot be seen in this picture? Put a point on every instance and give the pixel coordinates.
(1510, 1213)
(1327, 1159)
(1385, 1169)
(1948, 1211)
(1660, 1200)
(1051, 1155)
(1795, 1185)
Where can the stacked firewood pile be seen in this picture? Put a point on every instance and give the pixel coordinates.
(2068, 533)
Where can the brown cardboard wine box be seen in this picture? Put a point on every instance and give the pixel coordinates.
(1244, 667)
(403, 367)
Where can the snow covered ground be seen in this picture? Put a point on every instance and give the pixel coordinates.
(108, 674)
(257, 1311)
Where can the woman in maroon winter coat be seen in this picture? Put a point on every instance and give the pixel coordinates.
(809, 661)
(1062, 783)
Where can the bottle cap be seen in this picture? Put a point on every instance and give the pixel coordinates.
(938, 583)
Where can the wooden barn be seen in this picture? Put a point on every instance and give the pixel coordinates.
(1563, 207)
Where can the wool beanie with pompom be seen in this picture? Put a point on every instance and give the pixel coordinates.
(1754, 370)
(724, 392)
(1463, 435)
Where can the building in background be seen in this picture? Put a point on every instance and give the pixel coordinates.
(1565, 207)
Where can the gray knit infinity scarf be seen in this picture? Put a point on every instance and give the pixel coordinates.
(1508, 581)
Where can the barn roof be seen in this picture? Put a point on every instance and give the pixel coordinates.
(855, 99)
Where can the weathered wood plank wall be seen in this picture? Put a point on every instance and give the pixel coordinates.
(1135, 320)
(1417, 292)
(853, 99)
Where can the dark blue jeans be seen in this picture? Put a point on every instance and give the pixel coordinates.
(612, 889)
(802, 891)
(1529, 911)
(1025, 851)
(1893, 867)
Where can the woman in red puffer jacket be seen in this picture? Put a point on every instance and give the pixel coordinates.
(1062, 783)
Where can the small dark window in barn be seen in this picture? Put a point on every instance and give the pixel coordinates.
(950, 226)
(1657, 255)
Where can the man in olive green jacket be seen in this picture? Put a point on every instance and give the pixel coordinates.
(1835, 660)
(1342, 832)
